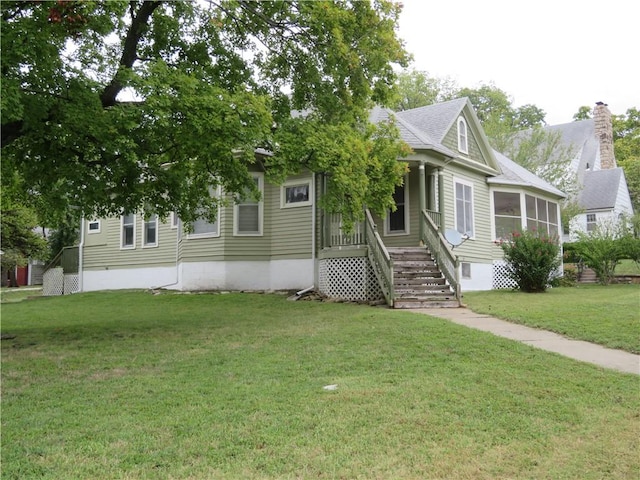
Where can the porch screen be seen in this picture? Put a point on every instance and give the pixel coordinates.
(507, 213)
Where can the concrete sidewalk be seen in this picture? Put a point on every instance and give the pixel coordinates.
(576, 349)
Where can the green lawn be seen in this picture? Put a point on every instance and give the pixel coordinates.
(607, 315)
(627, 267)
(140, 386)
(17, 294)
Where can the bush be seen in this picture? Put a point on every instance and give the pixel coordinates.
(532, 259)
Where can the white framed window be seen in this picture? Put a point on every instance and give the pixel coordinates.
(248, 212)
(296, 194)
(203, 228)
(465, 269)
(591, 222)
(128, 231)
(93, 226)
(150, 232)
(507, 214)
(464, 207)
(397, 223)
(175, 220)
(542, 215)
(463, 141)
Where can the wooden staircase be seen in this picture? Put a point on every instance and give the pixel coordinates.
(417, 280)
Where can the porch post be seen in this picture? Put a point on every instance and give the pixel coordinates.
(431, 205)
(423, 198)
(441, 197)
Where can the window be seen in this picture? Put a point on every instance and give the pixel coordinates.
(128, 231)
(93, 226)
(247, 218)
(462, 136)
(464, 208)
(398, 221)
(175, 220)
(465, 269)
(202, 227)
(541, 215)
(150, 236)
(591, 222)
(296, 194)
(507, 213)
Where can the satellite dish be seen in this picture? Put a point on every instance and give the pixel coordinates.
(454, 237)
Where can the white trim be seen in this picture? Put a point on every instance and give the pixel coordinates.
(387, 222)
(260, 177)
(463, 148)
(133, 244)
(191, 236)
(89, 230)
(455, 206)
(143, 240)
(291, 184)
(174, 220)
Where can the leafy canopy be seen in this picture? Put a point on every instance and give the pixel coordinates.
(113, 106)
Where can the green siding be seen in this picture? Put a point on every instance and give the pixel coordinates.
(479, 248)
(451, 141)
(103, 250)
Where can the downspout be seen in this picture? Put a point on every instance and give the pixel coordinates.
(313, 239)
(81, 256)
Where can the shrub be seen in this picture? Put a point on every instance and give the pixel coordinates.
(532, 259)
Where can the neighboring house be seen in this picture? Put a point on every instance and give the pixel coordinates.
(604, 195)
(455, 183)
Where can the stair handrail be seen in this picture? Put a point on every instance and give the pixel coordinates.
(67, 257)
(379, 258)
(447, 262)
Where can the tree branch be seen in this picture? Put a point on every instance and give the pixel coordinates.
(129, 52)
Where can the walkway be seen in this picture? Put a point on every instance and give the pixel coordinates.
(576, 349)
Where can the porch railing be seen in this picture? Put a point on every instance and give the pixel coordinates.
(67, 258)
(379, 258)
(335, 235)
(447, 262)
(435, 216)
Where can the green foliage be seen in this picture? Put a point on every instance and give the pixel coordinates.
(604, 247)
(418, 89)
(532, 258)
(583, 113)
(118, 106)
(18, 239)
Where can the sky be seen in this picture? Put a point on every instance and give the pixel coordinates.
(556, 54)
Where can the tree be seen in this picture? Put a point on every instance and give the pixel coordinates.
(19, 240)
(583, 113)
(418, 89)
(115, 106)
(626, 145)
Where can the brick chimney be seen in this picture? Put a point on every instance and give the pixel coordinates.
(604, 133)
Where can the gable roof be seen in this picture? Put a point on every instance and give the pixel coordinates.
(437, 119)
(600, 189)
(581, 137)
(516, 175)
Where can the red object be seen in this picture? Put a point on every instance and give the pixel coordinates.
(22, 276)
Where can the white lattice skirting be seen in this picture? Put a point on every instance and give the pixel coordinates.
(501, 278)
(55, 282)
(348, 278)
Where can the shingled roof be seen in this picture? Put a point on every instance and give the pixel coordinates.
(600, 189)
(514, 174)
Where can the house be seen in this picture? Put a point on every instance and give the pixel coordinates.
(458, 197)
(603, 191)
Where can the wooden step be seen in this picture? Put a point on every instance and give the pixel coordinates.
(430, 303)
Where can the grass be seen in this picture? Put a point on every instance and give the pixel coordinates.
(9, 295)
(607, 315)
(140, 386)
(627, 267)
